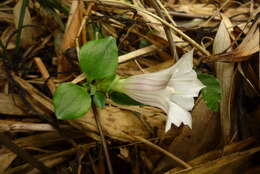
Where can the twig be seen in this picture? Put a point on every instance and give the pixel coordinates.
(24, 155)
(45, 74)
(96, 116)
(17, 126)
(166, 12)
(175, 158)
(53, 156)
(178, 31)
(168, 31)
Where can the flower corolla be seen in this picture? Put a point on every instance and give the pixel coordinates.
(172, 90)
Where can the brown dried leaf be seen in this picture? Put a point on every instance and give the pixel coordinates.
(225, 74)
(157, 25)
(6, 158)
(73, 25)
(70, 35)
(191, 143)
(249, 46)
(233, 162)
(37, 99)
(9, 105)
(215, 154)
(116, 123)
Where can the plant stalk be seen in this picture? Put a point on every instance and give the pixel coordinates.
(103, 141)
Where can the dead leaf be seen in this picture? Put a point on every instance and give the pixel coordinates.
(249, 46)
(157, 25)
(225, 73)
(70, 35)
(233, 161)
(11, 104)
(6, 158)
(200, 140)
(116, 123)
(215, 154)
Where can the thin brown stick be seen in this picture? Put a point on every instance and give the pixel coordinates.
(175, 158)
(45, 74)
(96, 116)
(168, 31)
(178, 31)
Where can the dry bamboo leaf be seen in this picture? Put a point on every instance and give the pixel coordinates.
(27, 32)
(222, 39)
(41, 103)
(41, 139)
(38, 140)
(225, 74)
(249, 46)
(73, 25)
(200, 140)
(50, 163)
(6, 17)
(137, 53)
(10, 104)
(6, 37)
(6, 158)
(198, 9)
(157, 25)
(19, 126)
(215, 154)
(70, 35)
(218, 166)
(116, 123)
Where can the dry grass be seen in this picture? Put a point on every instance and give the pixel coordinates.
(40, 41)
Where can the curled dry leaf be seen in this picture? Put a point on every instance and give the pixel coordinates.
(225, 74)
(27, 32)
(249, 46)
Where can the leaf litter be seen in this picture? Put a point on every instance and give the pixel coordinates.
(39, 48)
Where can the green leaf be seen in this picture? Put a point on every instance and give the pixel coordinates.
(212, 92)
(71, 101)
(99, 58)
(123, 99)
(100, 99)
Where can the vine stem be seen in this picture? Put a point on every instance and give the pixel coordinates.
(103, 141)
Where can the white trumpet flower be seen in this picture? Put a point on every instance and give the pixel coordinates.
(171, 90)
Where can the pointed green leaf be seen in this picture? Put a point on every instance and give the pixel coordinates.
(212, 92)
(99, 58)
(71, 101)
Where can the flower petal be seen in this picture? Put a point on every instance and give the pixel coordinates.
(186, 84)
(176, 116)
(183, 101)
(150, 81)
(158, 98)
(184, 65)
(187, 88)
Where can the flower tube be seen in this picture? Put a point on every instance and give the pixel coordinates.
(172, 90)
